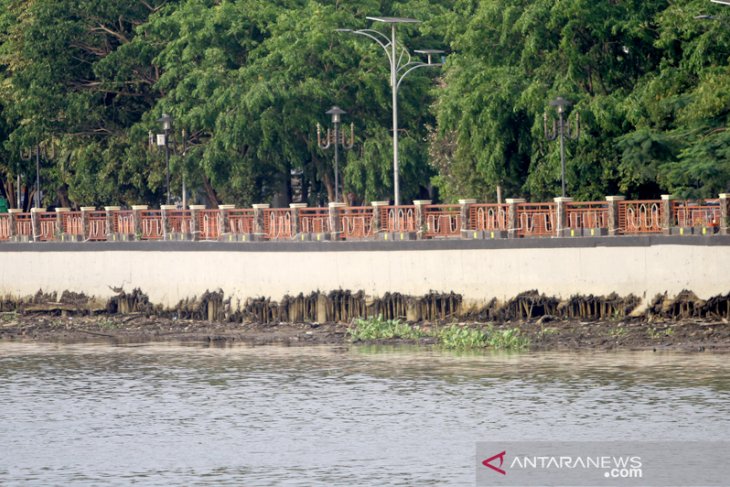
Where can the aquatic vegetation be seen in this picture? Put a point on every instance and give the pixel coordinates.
(458, 337)
(463, 338)
(508, 339)
(376, 328)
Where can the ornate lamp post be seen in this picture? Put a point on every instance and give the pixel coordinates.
(562, 130)
(166, 121)
(336, 138)
(48, 151)
(401, 65)
(167, 140)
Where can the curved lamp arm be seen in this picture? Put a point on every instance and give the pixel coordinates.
(413, 67)
(369, 33)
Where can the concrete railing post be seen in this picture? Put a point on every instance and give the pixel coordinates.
(295, 208)
(166, 223)
(724, 222)
(259, 226)
(111, 215)
(13, 224)
(512, 217)
(614, 228)
(86, 221)
(667, 219)
(378, 223)
(137, 220)
(223, 221)
(421, 223)
(335, 220)
(195, 221)
(561, 217)
(464, 206)
(36, 223)
(60, 233)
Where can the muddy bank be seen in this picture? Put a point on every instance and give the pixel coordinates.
(543, 334)
(682, 322)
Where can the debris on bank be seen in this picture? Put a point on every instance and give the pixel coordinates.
(344, 306)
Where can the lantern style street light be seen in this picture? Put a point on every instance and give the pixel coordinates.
(401, 65)
(42, 149)
(166, 121)
(168, 141)
(336, 138)
(561, 130)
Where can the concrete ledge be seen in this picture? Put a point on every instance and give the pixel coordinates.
(372, 245)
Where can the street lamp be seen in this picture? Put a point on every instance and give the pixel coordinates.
(401, 65)
(166, 121)
(336, 138)
(168, 140)
(562, 131)
(48, 151)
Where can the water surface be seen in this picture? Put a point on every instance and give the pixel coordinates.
(164, 415)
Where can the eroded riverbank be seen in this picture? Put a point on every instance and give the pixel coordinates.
(542, 334)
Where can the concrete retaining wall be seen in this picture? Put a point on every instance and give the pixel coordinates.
(478, 270)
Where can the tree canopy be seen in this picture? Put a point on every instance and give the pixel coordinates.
(84, 82)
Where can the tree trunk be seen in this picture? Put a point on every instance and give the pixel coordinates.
(210, 192)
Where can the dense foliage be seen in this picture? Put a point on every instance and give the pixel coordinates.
(84, 82)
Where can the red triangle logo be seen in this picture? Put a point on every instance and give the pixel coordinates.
(488, 462)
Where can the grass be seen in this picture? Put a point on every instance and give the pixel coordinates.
(108, 324)
(8, 316)
(655, 333)
(452, 337)
(618, 332)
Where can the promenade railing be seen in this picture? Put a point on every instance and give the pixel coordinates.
(516, 219)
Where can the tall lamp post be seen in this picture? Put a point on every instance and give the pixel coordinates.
(166, 121)
(562, 130)
(401, 65)
(336, 138)
(48, 151)
(163, 140)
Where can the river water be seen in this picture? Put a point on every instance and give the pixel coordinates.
(181, 415)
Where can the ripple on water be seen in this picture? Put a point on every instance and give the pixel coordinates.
(161, 414)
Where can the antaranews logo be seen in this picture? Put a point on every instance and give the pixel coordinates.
(500, 456)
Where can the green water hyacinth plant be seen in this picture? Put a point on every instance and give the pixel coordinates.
(464, 338)
(376, 328)
(461, 338)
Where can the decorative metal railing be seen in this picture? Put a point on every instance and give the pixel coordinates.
(640, 216)
(357, 223)
(399, 218)
(96, 226)
(423, 221)
(696, 214)
(585, 215)
(208, 225)
(241, 221)
(442, 221)
(277, 224)
(488, 217)
(536, 219)
(314, 220)
(179, 221)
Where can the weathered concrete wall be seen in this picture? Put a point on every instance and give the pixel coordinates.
(478, 270)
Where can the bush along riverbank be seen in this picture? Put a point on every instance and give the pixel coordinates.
(531, 321)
